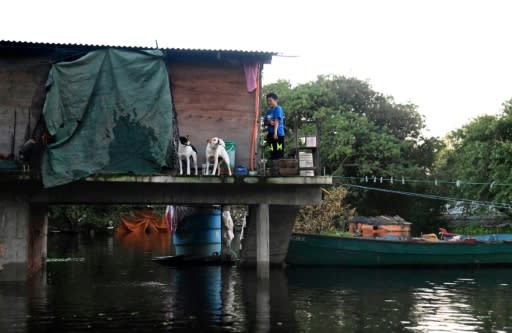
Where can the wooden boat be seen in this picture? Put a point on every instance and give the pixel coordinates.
(318, 250)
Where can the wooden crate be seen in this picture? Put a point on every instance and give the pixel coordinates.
(285, 167)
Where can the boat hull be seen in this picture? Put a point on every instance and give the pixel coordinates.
(317, 250)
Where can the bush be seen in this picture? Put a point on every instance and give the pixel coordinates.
(330, 216)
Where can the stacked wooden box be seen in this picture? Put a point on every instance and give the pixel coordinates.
(306, 161)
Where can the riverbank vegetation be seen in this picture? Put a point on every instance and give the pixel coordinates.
(330, 217)
(376, 149)
(482, 229)
(84, 218)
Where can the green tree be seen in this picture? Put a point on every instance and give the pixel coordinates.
(479, 156)
(356, 96)
(363, 133)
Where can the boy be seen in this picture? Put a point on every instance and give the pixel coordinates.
(274, 120)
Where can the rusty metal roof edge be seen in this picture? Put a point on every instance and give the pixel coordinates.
(183, 49)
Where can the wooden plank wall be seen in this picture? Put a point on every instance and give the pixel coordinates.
(212, 100)
(22, 91)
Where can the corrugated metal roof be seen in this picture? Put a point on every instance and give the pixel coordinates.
(184, 49)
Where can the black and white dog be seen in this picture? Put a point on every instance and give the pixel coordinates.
(185, 152)
(215, 149)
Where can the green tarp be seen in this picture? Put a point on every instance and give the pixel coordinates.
(109, 111)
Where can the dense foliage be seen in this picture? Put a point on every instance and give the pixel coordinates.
(363, 134)
(479, 157)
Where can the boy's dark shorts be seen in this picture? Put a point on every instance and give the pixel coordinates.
(275, 147)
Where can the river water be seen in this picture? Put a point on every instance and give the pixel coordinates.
(103, 284)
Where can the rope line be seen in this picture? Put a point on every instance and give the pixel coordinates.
(436, 182)
(433, 197)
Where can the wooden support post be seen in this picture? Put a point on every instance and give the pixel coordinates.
(262, 242)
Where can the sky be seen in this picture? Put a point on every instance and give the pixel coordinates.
(451, 58)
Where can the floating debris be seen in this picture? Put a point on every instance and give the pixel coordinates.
(143, 221)
(65, 259)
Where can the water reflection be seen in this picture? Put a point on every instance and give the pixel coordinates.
(400, 300)
(154, 242)
(268, 302)
(117, 288)
(445, 308)
(453, 306)
(13, 306)
(194, 298)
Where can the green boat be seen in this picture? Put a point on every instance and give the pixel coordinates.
(318, 250)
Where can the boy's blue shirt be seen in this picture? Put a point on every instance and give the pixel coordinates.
(276, 113)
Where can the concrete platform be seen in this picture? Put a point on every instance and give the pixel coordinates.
(273, 204)
(164, 189)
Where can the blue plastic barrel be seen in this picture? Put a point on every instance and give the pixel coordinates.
(199, 234)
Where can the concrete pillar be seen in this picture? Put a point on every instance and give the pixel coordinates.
(281, 221)
(22, 240)
(262, 241)
(14, 231)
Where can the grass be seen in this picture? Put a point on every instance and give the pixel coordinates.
(478, 229)
(337, 233)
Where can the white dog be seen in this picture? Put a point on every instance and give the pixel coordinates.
(185, 152)
(215, 149)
